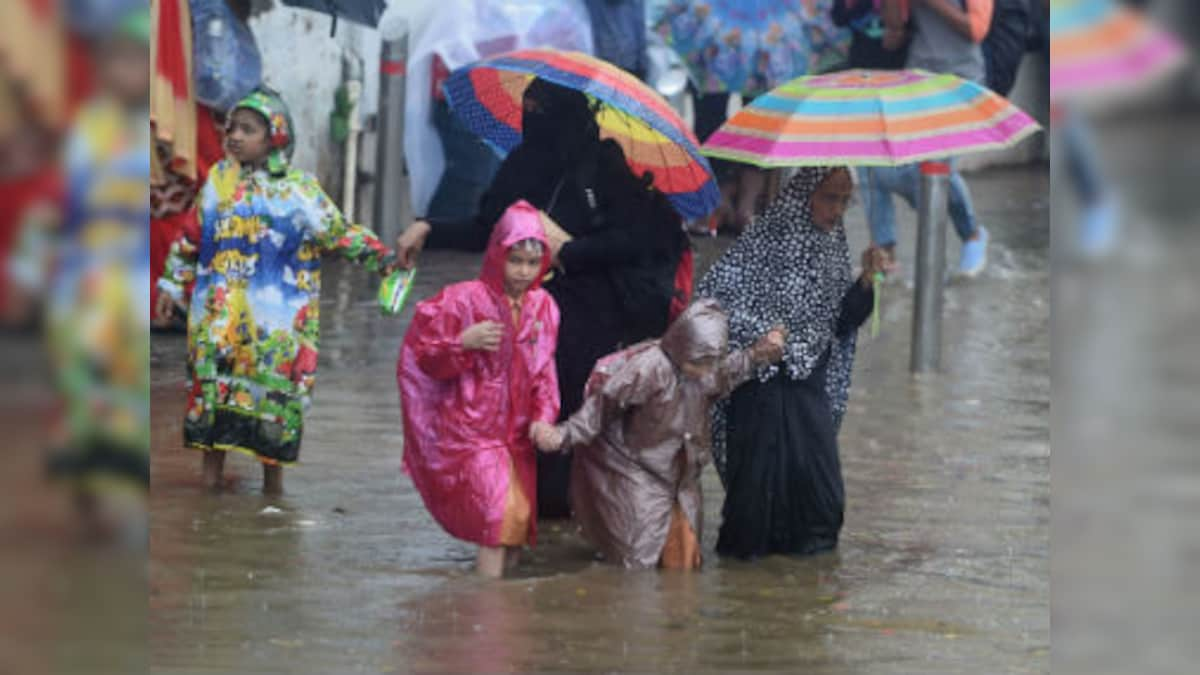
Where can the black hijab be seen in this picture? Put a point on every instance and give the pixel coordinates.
(559, 121)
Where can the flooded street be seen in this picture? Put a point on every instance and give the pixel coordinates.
(944, 565)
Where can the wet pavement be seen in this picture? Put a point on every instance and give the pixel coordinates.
(943, 568)
(1126, 594)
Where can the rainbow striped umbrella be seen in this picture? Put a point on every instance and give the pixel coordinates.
(1099, 49)
(869, 118)
(486, 96)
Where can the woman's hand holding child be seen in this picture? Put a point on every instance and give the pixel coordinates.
(769, 348)
(546, 437)
(875, 260)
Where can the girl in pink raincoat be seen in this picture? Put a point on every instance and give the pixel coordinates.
(477, 386)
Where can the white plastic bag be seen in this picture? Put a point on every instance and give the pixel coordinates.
(462, 32)
(226, 64)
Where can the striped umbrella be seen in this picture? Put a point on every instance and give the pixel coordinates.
(1099, 49)
(869, 118)
(487, 97)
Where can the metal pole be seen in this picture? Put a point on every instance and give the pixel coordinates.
(931, 265)
(390, 192)
(352, 68)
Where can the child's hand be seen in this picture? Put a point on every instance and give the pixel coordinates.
(484, 336)
(164, 308)
(769, 348)
(546, 437)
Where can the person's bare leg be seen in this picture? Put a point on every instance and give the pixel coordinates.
(490, 562)
(725, 213)
(751, 183)
(512, 556)
(272, 479)
(91, 522)
(214, 465)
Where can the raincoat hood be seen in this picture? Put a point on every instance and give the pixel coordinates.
(280, 132)
(520, 222)
(701, 332)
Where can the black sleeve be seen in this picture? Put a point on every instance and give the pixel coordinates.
(513, 181)
(842, 15)
(464, 235)
(611, 247)
(856, 308)
(630, 235)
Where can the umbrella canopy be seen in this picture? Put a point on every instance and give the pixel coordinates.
(366, 12)
(751, 46)
(1099, 49)
(487, 97)
(869, 118)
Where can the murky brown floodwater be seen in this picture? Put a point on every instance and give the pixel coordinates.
(944, 563)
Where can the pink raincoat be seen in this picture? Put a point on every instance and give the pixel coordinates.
(467, 413)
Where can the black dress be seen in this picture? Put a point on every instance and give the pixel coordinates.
(783, 477)
(620, 230)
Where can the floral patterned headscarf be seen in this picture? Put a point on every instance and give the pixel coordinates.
(280, 133)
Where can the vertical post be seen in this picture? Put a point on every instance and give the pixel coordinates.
(931, 266)
(389, 189)
(352, 76)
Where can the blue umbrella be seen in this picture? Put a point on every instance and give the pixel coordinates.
(366, 12)
(751, 46)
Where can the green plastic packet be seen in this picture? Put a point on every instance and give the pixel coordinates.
(394, 290)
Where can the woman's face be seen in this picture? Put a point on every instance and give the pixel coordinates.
(831, 199)
(532, 105)
(556, 118)
(537, 123)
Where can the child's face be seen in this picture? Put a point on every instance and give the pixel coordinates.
(698, 369)
(247, 137)
(831, 199)
(520, 270)
(124, 68)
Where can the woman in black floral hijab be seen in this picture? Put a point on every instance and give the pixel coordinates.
(775, 439)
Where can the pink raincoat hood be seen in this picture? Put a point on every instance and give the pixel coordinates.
(520, 222)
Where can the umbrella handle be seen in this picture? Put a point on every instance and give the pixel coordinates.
(877, 278)
(877, 287)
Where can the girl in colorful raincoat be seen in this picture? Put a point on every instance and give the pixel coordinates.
(87, 260)
(253, 313)
(478, 386)
(641, 438)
